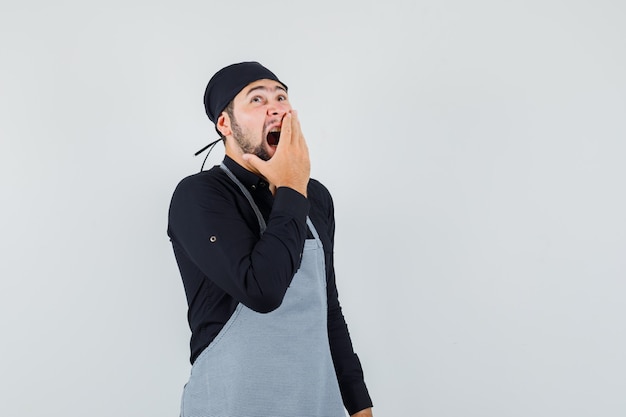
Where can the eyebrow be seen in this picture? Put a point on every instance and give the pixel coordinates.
(262, 87)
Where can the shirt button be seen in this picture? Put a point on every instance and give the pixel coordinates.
(253, 187)
(213, 239)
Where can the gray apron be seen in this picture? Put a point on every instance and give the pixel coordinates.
(276, 364)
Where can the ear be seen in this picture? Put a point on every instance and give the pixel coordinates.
(223, 124)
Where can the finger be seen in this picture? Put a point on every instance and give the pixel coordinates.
(297, 128)
(298, 137)
(286, 130)
(254, 162)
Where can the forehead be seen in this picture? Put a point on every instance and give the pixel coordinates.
(267, 86)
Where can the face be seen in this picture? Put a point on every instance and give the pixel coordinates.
(257, 116)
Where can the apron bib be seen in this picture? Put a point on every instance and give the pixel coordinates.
(276, 364)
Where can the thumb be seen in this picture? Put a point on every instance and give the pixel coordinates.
(253, 161)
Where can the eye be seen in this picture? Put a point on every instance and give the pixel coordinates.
(256, 99)
(282, 98)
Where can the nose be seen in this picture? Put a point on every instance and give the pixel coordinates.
(277, 108)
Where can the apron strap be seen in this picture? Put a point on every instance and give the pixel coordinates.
(259, 216)
(246, 193)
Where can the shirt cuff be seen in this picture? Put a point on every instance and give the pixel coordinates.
(356, 397)
(290, 202)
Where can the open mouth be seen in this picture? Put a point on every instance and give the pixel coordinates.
(273, 137)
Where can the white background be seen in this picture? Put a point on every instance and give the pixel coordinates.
(475, 151)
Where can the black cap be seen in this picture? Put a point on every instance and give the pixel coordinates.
(229, 81)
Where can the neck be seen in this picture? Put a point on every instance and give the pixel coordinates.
(236, 154)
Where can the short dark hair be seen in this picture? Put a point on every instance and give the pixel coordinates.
(229, 110)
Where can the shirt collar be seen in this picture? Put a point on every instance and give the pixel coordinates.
(249, 179)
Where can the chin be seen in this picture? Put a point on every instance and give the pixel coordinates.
(264, 153)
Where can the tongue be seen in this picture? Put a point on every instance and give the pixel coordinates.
(273, 138)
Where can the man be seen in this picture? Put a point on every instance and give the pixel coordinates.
(253, 239)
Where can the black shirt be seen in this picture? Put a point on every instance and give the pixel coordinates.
(225, 260)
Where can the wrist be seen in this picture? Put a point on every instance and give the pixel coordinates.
(302, 189)
(363, 413)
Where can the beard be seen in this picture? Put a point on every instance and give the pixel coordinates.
(245, 141)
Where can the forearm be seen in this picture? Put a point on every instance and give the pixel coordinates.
(254, 269)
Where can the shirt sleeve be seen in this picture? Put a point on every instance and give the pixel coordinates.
(347, 364)
(206, 223)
